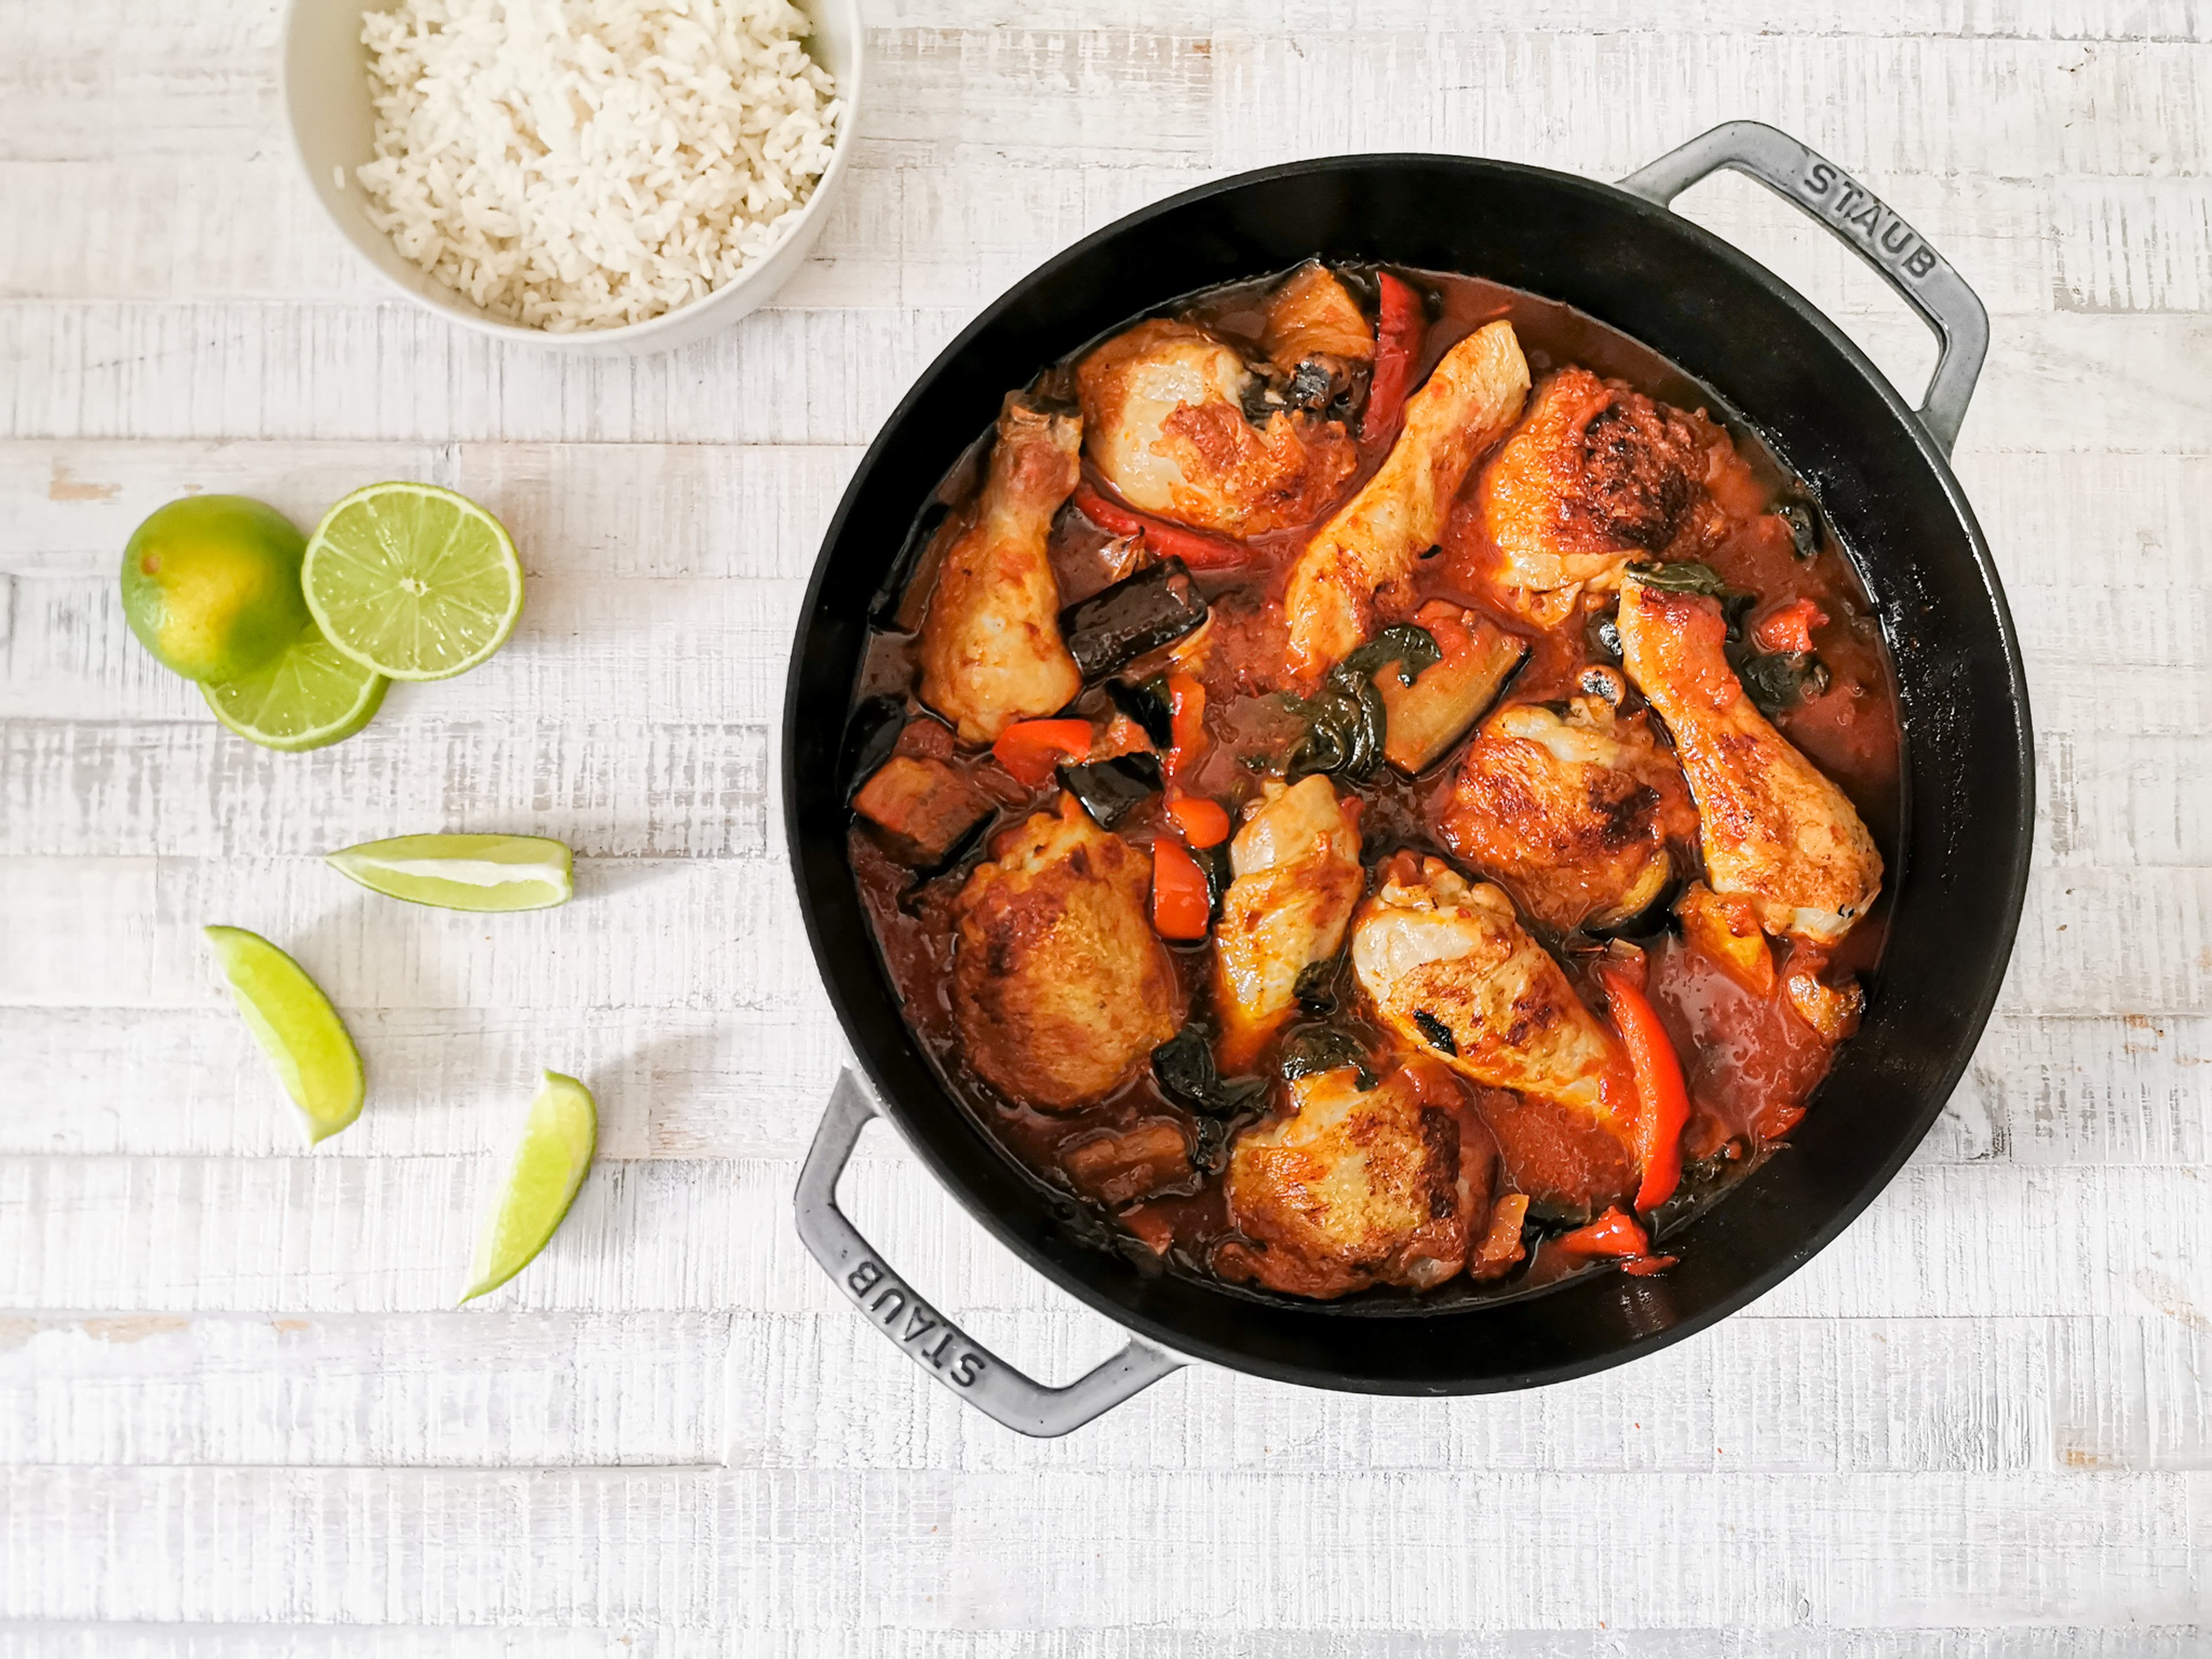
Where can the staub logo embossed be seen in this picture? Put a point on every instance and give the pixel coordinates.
(895, 1307)
(1861, 215)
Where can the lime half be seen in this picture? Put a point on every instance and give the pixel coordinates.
(412, 580)
(296, 1027)
(549, 1164)
(463, 872)
(308, 696)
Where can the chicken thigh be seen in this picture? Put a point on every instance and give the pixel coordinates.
(1596, 474)
(1165, 423)
(1774, 830)
(1571, 811)
(1315, 334)
(1360, 561)
(1060, 988)
(1350, 1189)
(991, 647)
(1296, 877)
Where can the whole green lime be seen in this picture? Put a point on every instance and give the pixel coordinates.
(211, 585)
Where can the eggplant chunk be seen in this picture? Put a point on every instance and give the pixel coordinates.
(1426, 718)
(1110, 789)
(1138, 614)
(923, 807)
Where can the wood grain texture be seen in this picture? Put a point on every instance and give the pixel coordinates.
(238, 1414)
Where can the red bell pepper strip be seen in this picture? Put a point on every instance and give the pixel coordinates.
(1790, 629)
(1181, 907)
(1186, 722)
(1398, 330)
(1194, 547)
(1662, 1099)
(1032, 748)
(1615, 1233)
(1203, 822)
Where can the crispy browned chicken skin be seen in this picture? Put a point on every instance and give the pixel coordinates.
(1573, 811)
(1164, 421)
(1360, 561)
(1774, 829)
(1350, 1189)
(1595, 476)
(991, 649)
(1059, 987)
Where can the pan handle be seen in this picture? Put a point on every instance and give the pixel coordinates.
(1862, 222)
(933, 1342)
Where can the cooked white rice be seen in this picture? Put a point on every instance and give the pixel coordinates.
(581, 164)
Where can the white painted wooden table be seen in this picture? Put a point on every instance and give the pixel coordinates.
(235, 1401)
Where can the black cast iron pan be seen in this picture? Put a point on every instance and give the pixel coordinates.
(1880, 471)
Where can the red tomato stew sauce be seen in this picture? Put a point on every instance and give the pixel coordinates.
(1365, 786)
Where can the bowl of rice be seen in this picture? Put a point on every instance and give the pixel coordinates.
(601, 177)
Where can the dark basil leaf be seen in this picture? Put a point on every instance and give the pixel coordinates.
(1438, 1033)
(1686, 576)
(1148, 704)
(1316, 989)
(1777, 682)
(1183, 1066)
(1110, 789)
(1413, 649)
(1311, 1049)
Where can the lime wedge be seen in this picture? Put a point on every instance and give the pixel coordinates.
(309, 696)
(412, 580)
(296, 1027)
(463, 872)
(548, 1166)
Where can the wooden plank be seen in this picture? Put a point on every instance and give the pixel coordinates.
(822, 1391)
(798, 1549)
(1200, 1640)
(441, 1082)
(611, 789)
(1607, 103)
(433, 1389)
(312, 1235)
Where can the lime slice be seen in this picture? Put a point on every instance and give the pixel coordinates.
(296, 1027)
(310, 696)
(412, 580)
(463, 872)
(548, 1166)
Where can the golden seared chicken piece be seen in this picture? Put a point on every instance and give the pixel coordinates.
(1164, 421)
(1314, 333)
(1773, 829)
(1296, 877)
(1573, 811)
(1362, 559)
(991, 649)
(1350, 1187)
(1060, 987)
(1595, 475)
(1454, 974)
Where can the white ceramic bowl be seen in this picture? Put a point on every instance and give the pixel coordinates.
(326, 100)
